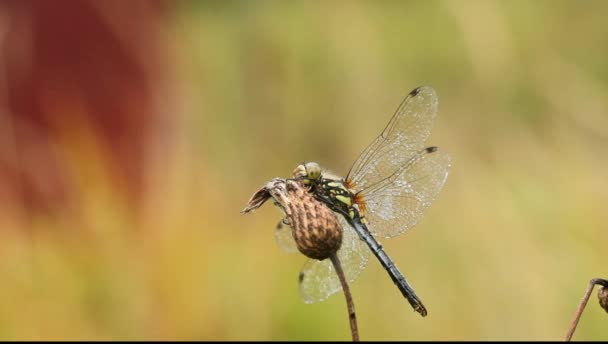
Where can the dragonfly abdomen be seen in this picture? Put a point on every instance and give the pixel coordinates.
(406, 290)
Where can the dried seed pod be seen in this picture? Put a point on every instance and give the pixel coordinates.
(602, 295)
(315, 228)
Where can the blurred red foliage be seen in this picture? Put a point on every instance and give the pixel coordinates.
(73, 64)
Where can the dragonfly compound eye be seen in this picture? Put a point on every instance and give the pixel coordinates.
(313, 170)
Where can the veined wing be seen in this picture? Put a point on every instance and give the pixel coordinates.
(405, 135)
(318, 279)
(400, 201)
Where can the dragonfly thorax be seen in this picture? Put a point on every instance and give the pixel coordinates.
(335, 194)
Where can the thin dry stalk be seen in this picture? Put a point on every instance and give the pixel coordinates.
(349, 300)
(581, 306)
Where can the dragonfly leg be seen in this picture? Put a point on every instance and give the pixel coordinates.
(283, 221)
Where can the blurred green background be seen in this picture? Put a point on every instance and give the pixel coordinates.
(254, 88)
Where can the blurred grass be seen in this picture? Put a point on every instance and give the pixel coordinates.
(504, 253)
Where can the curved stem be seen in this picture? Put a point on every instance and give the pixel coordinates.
(349, 300)
(581, 306)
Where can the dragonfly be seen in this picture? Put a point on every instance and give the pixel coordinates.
(387, 191)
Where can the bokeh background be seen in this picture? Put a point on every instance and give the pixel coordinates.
(132, 133)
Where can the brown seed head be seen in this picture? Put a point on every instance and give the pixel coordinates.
(602, 295)
(316, 229)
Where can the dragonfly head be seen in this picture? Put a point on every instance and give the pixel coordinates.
(309, 172)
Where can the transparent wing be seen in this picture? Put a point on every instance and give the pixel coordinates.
(399, 201)
(284, 237)
(318, 279)
(405, 135)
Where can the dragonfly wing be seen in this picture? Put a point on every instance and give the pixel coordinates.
(405, 134)
(318, 279)
(284, 237)
(353, 253)
(399, 202)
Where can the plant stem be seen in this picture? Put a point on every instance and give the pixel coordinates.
(581, 306)
(349, 300)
